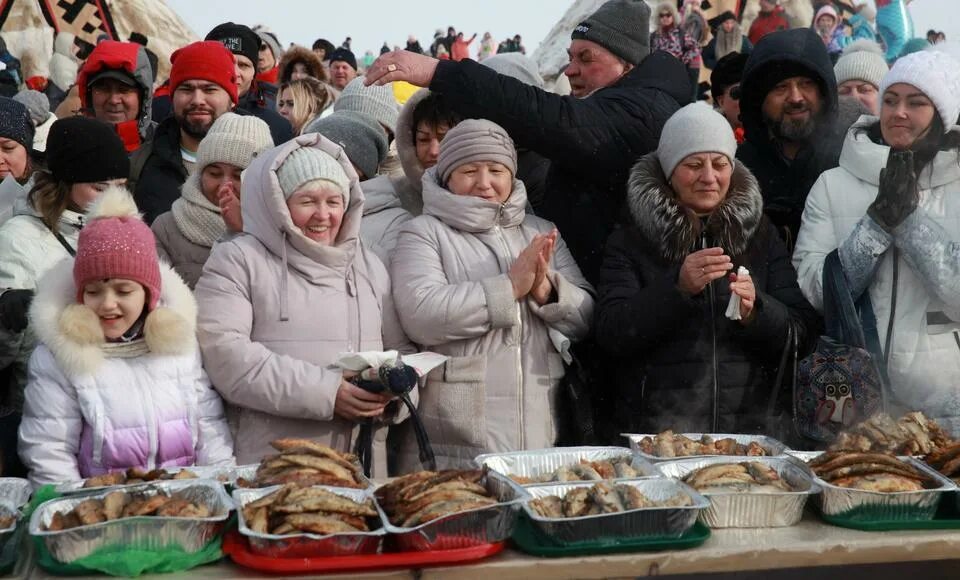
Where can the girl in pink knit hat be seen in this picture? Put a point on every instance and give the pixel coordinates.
(116, 381)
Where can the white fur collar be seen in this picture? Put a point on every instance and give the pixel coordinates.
(72, 332)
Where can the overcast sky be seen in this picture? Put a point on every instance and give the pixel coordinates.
(371, 22)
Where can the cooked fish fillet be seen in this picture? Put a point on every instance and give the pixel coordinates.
(549, 506)
(607, 498)
(268, 500)
(604, 468)
(456, 484)
(322, 464)
(586, 473)
(318, 524)
(316, 499)
(879, 482)
(90, 512)
(632, 497)
(577, 502)
(444, 508)
(623, 470)
(699, 477)
(300, 446)
(442, 495)
(113, 504)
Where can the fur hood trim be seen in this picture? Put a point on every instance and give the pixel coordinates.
(675, 230)
(307, 57)
(72, 331)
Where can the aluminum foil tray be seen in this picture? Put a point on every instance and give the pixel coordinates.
(15, 491)
(772, 446)
(139, 533)
(751, 510)
(222, 474)
(301, 545)
(859, 505)
(540, 462)
(651, 523)
(465, 529)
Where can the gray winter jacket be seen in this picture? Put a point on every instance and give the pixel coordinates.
(276, 309)
(186, 257)
(497, 391)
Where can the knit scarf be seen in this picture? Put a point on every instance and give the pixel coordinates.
(728, 42)
(197, 219)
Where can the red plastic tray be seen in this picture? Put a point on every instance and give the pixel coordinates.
(235, 546)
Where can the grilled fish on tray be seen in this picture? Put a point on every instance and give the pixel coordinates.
(424, 496)
(878, 472)
(614, 468)
(745, 477)
(292, 510)
(119, 504)
(670, 444)
(306, 463)
(912, 434)
(602, 498)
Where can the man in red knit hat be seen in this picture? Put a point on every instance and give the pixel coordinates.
(204, 85)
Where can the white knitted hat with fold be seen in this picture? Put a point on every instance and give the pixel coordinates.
(861, 61)
(234, 139)
(936, 74)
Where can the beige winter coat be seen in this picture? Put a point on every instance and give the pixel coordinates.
(497, 392)
(277, 308)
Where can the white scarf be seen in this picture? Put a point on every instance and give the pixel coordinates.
(197, 219)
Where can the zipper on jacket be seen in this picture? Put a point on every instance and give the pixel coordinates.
(888, 343)
(153, 429)
(704, 244)
(519, 346)
(354, 312)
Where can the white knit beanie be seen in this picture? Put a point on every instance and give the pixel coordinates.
(234, 139)
(308, 164)
(696, 128)
(861, 61)
(373, 101)
(936, 74)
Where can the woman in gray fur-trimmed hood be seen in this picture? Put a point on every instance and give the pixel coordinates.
(666, 282)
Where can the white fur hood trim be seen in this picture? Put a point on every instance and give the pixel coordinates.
(72, 331)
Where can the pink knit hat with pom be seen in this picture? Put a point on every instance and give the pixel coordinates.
(115, 243)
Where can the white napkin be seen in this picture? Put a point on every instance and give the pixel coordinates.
(561, 343)
(422, 362)
(733, 307)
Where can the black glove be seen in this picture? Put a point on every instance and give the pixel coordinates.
(14, 305)
(898, 194)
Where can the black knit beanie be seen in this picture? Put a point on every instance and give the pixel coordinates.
(84, 150)
(620, 26)
(238, 39)
(15, 122)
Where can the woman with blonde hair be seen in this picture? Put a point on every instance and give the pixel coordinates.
(303, 100)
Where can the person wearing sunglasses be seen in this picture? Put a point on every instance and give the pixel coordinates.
(725, 90)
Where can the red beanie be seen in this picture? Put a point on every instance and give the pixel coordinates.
(206, 60)
(115, 243)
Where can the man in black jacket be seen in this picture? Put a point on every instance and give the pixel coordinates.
(203, 84)
(625, 97)
(256, 97)
(788, 107)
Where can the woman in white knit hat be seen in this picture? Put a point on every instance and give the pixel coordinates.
(666, 282)
(209, 203)
(479, 280)
(892, 212)
(279, 303)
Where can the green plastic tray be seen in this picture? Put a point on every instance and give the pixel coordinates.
(529, 539)
(946, 518)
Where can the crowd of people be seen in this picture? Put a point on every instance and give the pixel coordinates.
(191, 256)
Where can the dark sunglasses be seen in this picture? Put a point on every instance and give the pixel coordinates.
(735, 92)
(666, 15)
